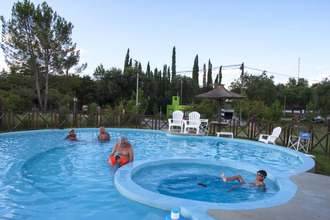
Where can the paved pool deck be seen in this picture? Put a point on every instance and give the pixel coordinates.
(311, 201)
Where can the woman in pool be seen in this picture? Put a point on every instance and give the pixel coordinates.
(72, 135)
(123, 149)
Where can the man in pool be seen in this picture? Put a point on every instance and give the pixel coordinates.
(259, 181)
(103, 136)
(123, 149)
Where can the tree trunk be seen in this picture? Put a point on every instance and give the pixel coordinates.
(46, 87)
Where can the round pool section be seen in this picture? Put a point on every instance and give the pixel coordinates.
(202, 182)
(149, 182)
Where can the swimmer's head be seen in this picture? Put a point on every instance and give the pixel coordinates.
(262, 173)
(71, 130)
(123, 139)
(102, 129)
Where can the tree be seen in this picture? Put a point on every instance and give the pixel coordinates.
(209, 74)
(275, 112)
(195, 73)
(173, 63)
(260, 88)
(40, 40)
(220, 75)
(321, 97)
(204, 75)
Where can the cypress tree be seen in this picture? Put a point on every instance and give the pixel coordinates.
(195, 70)
(209, 75)
(220, 74)
(173, 63)
(204, 75)
(126, 64)
(148, 73)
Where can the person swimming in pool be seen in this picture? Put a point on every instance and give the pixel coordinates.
(117, 160)
(123, 149)
(103, 136)
(259, 181)
(72, 136)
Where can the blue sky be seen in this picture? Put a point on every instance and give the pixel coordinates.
(265, 35)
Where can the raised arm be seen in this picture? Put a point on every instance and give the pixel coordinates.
(113, 151)
(131, 154)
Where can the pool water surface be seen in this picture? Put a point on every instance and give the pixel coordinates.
(202, 182)
(46, 177)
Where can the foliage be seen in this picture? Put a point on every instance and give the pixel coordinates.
(209, 75)
(207, 108)
(36, 40)
(309, 110)
(252, 107)
(195, 73)
(13, 102)
(64, 113)
(321, 97)
(93, 106)
(275, 112)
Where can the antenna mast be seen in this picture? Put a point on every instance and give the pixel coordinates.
(298, 68)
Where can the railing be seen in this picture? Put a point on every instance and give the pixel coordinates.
(32, 120)
(320, 142)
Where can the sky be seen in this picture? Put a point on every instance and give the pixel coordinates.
(285, 38)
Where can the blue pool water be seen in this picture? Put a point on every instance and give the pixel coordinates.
(46, 177)
(181, 180)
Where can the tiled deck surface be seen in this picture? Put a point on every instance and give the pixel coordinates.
(312, 201)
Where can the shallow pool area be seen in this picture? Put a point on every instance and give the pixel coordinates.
(202, 182)
(46, 177)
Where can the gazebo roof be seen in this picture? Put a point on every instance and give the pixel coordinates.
(220, 92)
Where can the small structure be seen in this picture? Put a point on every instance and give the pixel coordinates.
(219, 93)
(175, 106)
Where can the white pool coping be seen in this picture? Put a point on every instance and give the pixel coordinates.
(193, 209)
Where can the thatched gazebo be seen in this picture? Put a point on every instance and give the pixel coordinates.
(219, 93)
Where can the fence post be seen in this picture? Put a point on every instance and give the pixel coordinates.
(32, 120)
(55, 120)
(8, 124)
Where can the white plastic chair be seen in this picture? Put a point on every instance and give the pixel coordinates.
(193, 122)
(301, 142)
(270, 139)
(177, 120)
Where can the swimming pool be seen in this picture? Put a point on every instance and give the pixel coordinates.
(46, 177)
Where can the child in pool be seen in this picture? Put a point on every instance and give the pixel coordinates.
(259, 181)
(117, 160)
(72, 135)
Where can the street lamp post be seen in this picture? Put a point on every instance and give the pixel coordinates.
(181, 93)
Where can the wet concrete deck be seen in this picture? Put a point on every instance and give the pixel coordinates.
(311, 201)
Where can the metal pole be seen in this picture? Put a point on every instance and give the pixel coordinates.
(181, 93)
(240, 103)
